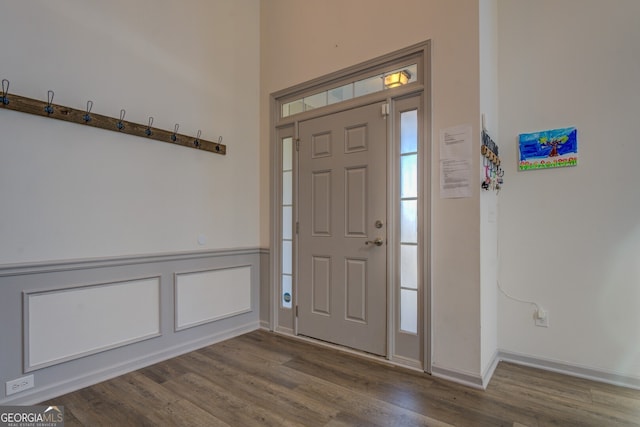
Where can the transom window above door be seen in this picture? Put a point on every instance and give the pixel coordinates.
(359, 86)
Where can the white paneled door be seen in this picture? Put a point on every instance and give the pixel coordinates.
(342, 291)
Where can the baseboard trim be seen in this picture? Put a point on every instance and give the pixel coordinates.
(491, 369)
(406, 362)
(285, 331)
(571, 370)
(63, 387)
(464, 378)
(378, 359)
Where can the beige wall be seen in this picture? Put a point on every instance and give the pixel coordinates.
(489, 199)
(570, 238)
(302, 40)
(70, 191)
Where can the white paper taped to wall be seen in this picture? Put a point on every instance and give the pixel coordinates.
(455, 142)
(455, 178)
(455, 161)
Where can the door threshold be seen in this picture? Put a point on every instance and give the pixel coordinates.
(352, 351)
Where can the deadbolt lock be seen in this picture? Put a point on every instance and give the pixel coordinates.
(378, 224)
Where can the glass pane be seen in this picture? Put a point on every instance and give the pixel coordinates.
(287, 153)
(286, 257)
(293, 107)
(367, 86)
(286, 291)
(409, 176)
(409, 221)
(315, 101)
(409, 266)
(287, 188)
(340, 94)
(345, 92)
(413, 70)
(287, 222)
(409, 311)
(409, 132)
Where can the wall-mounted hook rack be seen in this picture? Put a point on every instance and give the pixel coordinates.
(86, 118)
(491, 163)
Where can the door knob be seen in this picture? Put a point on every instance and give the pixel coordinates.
(377, 242)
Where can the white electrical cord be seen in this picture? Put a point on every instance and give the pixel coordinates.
(517, 299)
(538, 308)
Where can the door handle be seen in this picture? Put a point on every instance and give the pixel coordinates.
(377, 242)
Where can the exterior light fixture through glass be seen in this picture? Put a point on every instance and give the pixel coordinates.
(396, 79)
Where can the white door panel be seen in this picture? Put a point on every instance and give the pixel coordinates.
(342, 290)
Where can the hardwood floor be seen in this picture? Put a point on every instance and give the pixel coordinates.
(264, 379)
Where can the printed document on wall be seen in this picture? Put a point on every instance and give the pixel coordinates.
(455, 178)
(455, 161)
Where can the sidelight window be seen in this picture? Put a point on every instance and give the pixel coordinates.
(409, 221)
(286, 267)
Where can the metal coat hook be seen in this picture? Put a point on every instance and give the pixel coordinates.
(487, 178)
(196, 142)
(87, 117)
(49, 109)
(5, 91)
(148, 130)
(174, 136)
(120, 125)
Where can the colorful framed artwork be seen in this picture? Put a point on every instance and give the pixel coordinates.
(548, 149)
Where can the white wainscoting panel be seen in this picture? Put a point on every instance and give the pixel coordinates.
(69, 323)
(205, 296)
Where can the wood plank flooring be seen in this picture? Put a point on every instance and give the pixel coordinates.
(263, 379)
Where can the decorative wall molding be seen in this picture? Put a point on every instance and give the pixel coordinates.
(206, 296)
(58, 323)
(103, 373)
(79, 264)
(33, 294)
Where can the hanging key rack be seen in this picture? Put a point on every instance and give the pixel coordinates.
(493, 172)
(87, 118)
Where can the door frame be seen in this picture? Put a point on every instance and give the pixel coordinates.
(284, 320)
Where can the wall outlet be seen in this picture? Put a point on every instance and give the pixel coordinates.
(541, 316)
(20, 384)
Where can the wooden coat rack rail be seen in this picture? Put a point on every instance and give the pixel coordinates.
(87, 118)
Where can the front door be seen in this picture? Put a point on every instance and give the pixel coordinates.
(342, 290)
